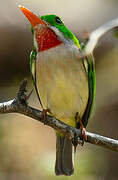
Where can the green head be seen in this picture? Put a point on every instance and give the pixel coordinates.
(49, 30)
(56, 21)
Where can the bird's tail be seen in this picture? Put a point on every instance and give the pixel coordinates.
(64, 156)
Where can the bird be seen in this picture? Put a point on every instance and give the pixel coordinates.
(64, 81)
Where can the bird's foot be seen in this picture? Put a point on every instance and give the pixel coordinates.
(76, 140)
(44, 114)
(83, 131)
(84, 134)
(82, 128)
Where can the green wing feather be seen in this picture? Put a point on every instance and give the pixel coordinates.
(33, 71)
(88, 63)
(92, 89)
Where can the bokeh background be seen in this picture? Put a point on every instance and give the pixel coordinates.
(27, 147)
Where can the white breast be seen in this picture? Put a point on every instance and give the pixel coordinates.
(62, 81)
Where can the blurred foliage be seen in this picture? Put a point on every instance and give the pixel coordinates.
(27, 148)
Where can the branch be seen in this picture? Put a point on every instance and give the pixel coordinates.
(19, 105)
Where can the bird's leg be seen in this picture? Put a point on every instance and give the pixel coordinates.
(44, 114)
(75, 140)
(83, 131)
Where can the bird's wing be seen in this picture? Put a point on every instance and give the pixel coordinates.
(97, 34)
(92, 87)
(33, 71)
(86, 52)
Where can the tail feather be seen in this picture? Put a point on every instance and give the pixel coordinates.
(64, 156)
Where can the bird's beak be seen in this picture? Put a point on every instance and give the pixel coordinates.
(33, 19)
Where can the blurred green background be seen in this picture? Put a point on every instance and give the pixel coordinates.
(27, 147)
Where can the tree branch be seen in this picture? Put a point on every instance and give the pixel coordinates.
(20, 105)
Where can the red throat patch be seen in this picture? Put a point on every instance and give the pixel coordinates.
(46, 39)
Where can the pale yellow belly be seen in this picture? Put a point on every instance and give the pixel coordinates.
(62, 84)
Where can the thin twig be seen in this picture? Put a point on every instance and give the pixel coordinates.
(19, 105)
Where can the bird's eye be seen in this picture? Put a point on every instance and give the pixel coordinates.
(58, 20)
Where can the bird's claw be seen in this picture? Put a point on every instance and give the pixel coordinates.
(83, 131)
(44, 114)
(76, 140)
